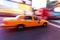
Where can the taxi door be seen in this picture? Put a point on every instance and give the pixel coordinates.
(36, 21)
(28, 21)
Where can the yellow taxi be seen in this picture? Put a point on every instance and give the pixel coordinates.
(22, 21)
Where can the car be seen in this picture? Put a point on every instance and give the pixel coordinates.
(22, 21)
(54, 15)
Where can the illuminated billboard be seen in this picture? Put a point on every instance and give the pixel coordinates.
(25, 7)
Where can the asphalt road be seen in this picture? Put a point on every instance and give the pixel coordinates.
(52, 32)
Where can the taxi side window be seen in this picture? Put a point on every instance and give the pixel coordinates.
(35, 18)
(28, 18)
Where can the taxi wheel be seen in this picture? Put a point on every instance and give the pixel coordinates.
(45, 25)
(20, 27)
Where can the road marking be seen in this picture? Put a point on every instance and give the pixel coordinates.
(57, 21)
(58, 26)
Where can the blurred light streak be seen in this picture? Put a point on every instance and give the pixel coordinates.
(52, 0)
(15, 0)
(12, 7)
(7, 4)
(39, 3)
(57, 9)
(58, 0)
(9, 7)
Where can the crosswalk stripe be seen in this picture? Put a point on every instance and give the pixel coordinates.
(58, 26)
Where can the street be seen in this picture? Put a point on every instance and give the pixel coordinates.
(52, 32)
